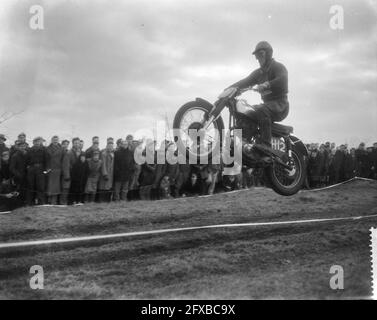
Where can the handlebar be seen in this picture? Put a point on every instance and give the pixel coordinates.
(233, 92)
(240, 91)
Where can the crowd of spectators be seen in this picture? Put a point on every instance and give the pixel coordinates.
(64, 173)
(330, 164)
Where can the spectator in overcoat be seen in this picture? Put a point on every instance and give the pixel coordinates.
(148, 171)
(55, 155)
(123, 171)
(79, 177)
(36, 161)
(350, 165)
(338, 164)
(94, 173)
(17, 166)
(362, 160)
(107, 172)
(69, 158)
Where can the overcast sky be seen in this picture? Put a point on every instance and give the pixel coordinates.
(109, 68)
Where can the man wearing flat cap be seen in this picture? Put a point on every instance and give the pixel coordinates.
(21, 140)
(92, 148)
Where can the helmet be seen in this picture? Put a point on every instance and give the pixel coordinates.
(263, 45)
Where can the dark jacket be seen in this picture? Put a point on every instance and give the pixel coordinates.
(13, 149)
(17, 166)
(79, 176)
(362, 162)
(275, 73)
(89, 152)
(338, 160)
(147, 175)
(349, 166)
(37, 156)
(190, 189)
(172, 171)
(124, 164)
(317, 165)
(4, 171)
(374, 160)
(3, 148)
(55, 155)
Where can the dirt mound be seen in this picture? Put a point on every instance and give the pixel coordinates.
(291, 261)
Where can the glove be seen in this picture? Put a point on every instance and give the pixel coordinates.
(227, 92)
(263, 86)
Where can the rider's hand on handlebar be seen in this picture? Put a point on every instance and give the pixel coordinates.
(228, 92)
(262, 87)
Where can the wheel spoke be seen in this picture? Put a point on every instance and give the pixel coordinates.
(284, 177)
(192, 119)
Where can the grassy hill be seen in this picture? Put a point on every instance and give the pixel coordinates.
(283, 261)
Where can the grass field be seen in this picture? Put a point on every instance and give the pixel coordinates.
(283, 261)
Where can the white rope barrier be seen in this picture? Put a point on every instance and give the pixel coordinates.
(8, 245)
(340, 183)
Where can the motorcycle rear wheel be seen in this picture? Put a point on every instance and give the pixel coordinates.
(287, 182)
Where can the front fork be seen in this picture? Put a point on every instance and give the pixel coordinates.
(288, 148)
(213, 115)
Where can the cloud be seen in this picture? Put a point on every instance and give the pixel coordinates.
(101, 69)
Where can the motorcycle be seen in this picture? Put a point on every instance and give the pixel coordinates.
(284, 164)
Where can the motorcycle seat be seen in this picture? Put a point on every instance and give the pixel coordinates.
(280, 129)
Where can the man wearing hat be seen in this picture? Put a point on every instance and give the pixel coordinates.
(36, 161)
(271, 80)
(21, 140)
(92, 148)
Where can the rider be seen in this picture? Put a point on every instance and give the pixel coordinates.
(272, 83)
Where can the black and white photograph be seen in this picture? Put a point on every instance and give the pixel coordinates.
(188, 154)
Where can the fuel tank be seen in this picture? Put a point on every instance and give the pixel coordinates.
(244, 108)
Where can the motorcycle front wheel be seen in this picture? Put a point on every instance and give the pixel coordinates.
(188, 120)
